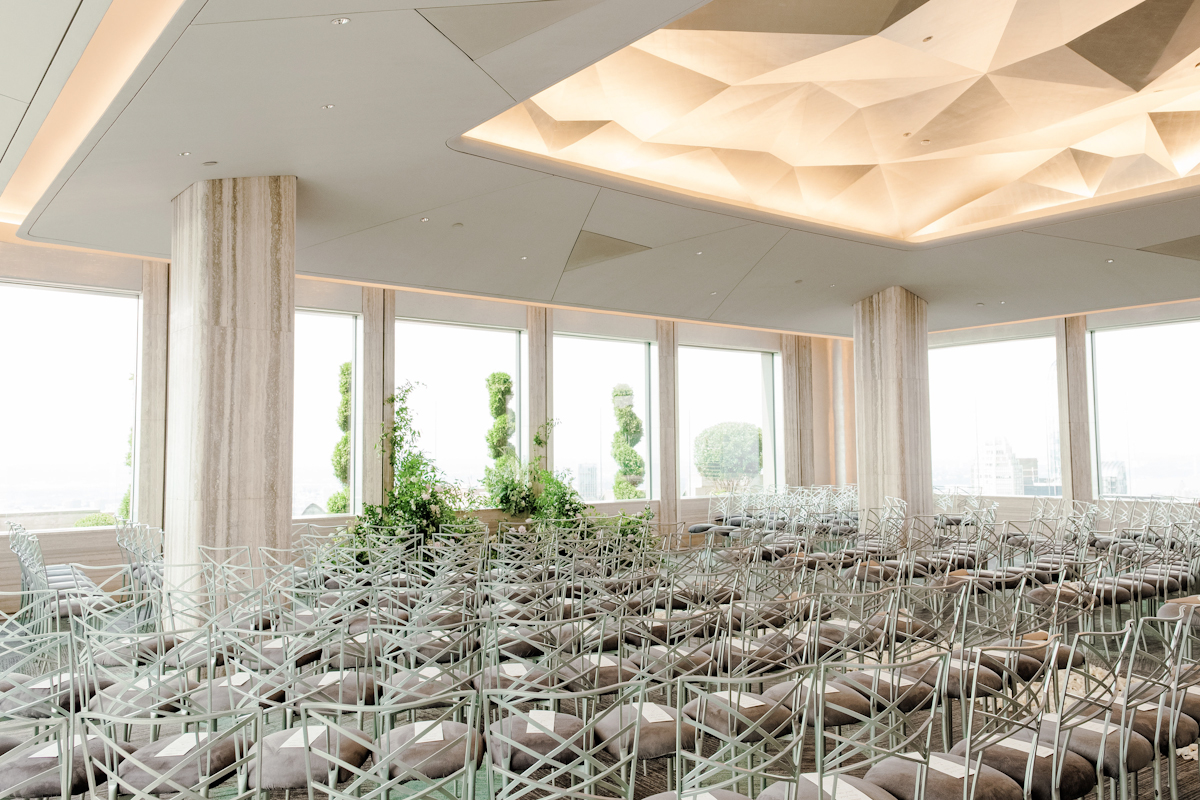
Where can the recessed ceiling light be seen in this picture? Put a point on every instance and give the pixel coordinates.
(832, 285)
(712, 292)
(699, 252)
(908, 134)
(979, 305)
(327, 107)
(424, 219)
(1110, 261)
(523, 258)
(185, 154)
(457, 225)
(340, 21)
(924, 141)
(800, 281)
(209, 164)
(1001, 302)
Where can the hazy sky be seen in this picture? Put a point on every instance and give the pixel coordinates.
(1147, 387)
(990, 391)
(585, 372)
(717, 386)
(323, 343)
(450, 408)
(66, 412)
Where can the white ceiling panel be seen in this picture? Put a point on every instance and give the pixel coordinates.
(652, 223)
(11, 112)
(219, 11)
(377, 156)
(244, 86)
(510, 243)
(30, 32)
(834, 274)
(1135, 227)
(543, 58)
(685, 279)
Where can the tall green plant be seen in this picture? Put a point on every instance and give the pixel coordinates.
(631, 468)
(729, 451)
(339, 502)
(420, 495)
(504, 425)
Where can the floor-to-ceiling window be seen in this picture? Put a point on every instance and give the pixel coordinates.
(602, 404)
(728, 436)
(994, 417)
(1147, 428)
(466, 394)
(69, 361)
(324, 441)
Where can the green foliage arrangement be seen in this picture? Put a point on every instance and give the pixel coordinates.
(529, 490)
(339, 502)
(729, 451)
(500, 390)
(631, 468)
(420, 496)
(510, 487)
(101, 519)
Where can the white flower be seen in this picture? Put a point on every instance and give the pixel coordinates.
(434, 509)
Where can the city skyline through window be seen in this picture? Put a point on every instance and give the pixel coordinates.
(994, 417)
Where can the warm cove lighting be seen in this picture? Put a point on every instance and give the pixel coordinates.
(120, 42)
(910, 120)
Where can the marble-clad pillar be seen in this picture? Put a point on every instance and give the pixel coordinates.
(1074, 408)
(230, 367)
(891, 388)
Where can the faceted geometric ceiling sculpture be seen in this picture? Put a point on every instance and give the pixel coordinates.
(910, 119)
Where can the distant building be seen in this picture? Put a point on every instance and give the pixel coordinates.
(590, 487)
(998, 471)
(1114, 478)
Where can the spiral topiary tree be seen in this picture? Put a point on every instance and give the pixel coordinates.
(500, 390)
(631, 468)
(339, 502)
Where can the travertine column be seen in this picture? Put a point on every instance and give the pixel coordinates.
(891, 387)
(539, 323)
(379, 383)
(230, 377)
(152, 397)
(668, 441)
(1074, 410)
(798, 454)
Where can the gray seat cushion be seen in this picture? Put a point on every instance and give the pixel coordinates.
(663, 663)
(598, 671)
(717, 794)
(1085, 738)
(349, 687)
(715, 711)
(428, 681)
(142, 697)
(533, 745)
(435, 750)
(806, 789)
(281, 764)
(237, 690)
(37, 771)
(906, 688)
(839, 704)
(656, 729)
(943, 780)
(196, 765)
(1011, 757)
